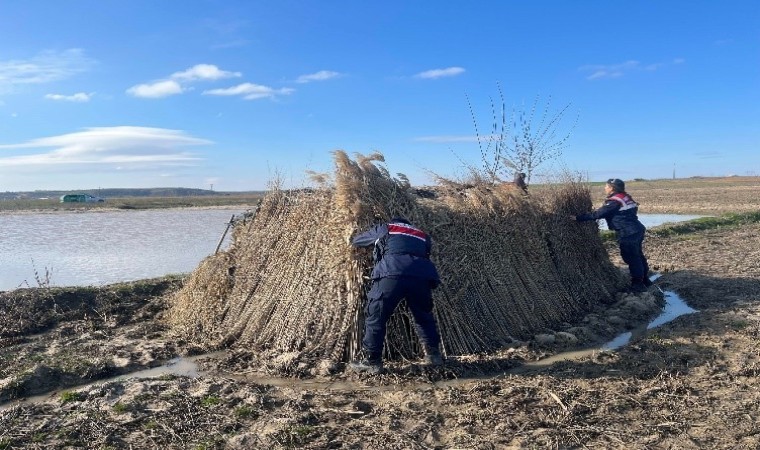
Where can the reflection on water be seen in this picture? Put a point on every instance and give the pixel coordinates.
(177, 366)
(674, 307)
(653, 220)
(95, 248)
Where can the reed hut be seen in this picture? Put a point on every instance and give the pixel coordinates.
(290, 285)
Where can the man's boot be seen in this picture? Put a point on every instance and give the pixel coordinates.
(367, 363)
(433, 356)
(638, 286)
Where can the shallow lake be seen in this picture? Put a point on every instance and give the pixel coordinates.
(102, 247)
(96, 248)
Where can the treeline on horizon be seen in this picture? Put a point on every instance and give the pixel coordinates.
(125, 192)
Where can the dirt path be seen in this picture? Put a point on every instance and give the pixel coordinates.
(692, 383)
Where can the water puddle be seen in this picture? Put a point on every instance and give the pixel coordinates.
(674, 307)
(186, 367)
(179, 366)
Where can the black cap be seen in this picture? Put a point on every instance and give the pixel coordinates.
(617, 184)
(401, 220)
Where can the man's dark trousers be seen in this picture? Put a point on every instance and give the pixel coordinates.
(633, 254)
(384, 297)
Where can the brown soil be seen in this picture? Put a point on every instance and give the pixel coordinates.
(706, 196)
(692, 383)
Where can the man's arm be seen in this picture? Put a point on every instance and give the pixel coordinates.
(368, 238)
(609, 207)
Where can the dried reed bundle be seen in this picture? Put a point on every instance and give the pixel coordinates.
(290, 284)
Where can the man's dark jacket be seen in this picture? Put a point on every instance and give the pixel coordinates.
(620, 212)
(401, 250)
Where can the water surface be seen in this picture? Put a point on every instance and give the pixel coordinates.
(102, 247)
(653, 220)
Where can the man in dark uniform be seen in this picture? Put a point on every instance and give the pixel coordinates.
(402, 270)
(620, 212)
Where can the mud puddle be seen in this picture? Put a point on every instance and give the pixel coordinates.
(179, 366)
(675, 307)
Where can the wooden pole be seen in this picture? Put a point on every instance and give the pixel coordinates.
(221, 239)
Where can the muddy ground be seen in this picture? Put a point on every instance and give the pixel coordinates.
(691, 383)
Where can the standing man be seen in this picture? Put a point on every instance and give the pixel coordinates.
(620, 212)
(402, 270)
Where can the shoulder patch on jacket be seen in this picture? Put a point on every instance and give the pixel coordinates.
(626, 202)
(406, 230)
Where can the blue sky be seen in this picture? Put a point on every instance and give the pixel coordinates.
(233, 93)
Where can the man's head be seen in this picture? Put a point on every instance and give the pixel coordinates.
(616, 185)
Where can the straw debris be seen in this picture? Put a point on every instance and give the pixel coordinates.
(291, 285)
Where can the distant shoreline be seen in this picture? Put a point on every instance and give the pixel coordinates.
(38, 206)
(8, 212)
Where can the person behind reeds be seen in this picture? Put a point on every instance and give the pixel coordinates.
(520, 181)
(621, 214)
(402, 270)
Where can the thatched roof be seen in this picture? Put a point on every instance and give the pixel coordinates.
(511, 266)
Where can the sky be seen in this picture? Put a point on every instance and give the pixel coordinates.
(230, 95)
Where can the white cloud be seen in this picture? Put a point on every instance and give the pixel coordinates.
(176, 83)
(78, 97)
(250, 91)
(322, 75)
(158, 89)
(599, 71)
(440, 73)
(46, 67)
(204, 72)
(123, 145)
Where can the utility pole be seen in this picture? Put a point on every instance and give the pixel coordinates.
(674, 171)
(212, 187)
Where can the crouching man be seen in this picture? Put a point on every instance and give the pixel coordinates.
(402, 270)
